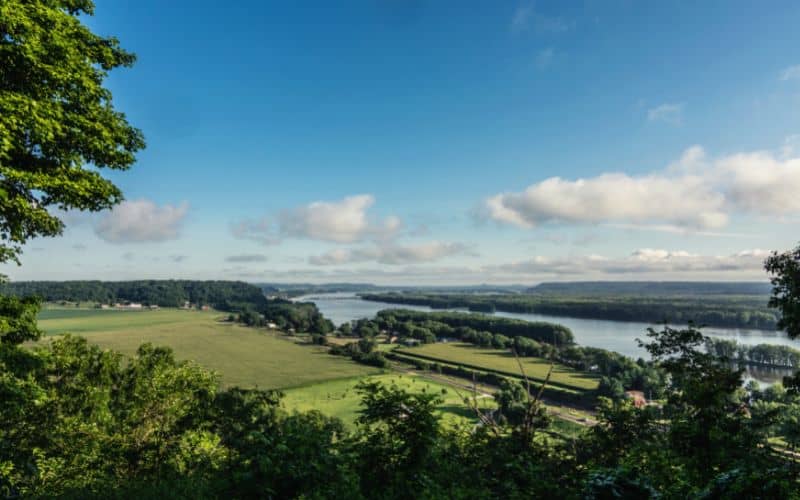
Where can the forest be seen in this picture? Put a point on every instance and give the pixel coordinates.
(221, 295)
(720, 311)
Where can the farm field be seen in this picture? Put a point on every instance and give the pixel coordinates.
(242, 356)
(339, 398)
(55, 320)
(503, 361)
(246, 357)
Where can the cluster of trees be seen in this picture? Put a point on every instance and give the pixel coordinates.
(285, 314)
(721, 311)
(222, 295)
(769, 355)
(540, 331)
(362, 351)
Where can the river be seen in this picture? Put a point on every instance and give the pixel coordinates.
(619, 336)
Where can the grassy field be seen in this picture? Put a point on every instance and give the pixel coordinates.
(502, 360)
(242, 356)
(339, 398)
(311, 378)
(56, 320)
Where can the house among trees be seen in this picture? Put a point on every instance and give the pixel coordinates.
(639, 401)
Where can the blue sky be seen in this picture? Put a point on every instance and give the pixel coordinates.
(447, 142)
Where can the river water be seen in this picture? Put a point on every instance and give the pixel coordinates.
(619, 336)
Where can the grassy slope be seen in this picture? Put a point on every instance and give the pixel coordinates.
(242, 356)
(496, 359)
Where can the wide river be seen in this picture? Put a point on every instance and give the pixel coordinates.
(619, 336)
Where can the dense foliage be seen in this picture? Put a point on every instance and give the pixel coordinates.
(785, 270)
(80, 422)
(722, 311)
(287, 315)
(222, 295)
(461, 323)
(769, 355)
(58, 125)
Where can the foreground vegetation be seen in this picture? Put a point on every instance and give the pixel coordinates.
(81, 423)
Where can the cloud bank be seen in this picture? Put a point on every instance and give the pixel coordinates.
(693, 193)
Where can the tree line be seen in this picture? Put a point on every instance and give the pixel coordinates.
(769, 355)
(721, 311)
(222, 295)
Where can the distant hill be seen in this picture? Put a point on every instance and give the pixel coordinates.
(651, 288)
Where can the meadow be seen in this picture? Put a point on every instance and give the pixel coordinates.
(247, 357)
(502, 361)
(340, 398)
(242, 356)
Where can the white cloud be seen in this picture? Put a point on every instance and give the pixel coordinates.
(141, 221)
(760, 183)
(694, 193)
(610, 198)
(668, 113)
(342, 221)
(791, 73)
(390, 254)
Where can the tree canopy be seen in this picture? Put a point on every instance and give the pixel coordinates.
(58, 124)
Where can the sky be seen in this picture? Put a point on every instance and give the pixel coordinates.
(443, 142)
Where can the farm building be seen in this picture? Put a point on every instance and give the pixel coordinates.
(639, 401)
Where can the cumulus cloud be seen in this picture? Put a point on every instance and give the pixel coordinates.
(390, 254)
(141, 221)
(791, 73)
(668, 113)
(693, 193)
(178, 258)
(246, 258)
(612, 197)
(343, 221)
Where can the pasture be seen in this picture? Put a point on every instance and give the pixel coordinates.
(242, 356)
(502, 361)
(340, 398)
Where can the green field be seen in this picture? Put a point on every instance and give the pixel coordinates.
(502, 361)
(242, 356)
(339, 398)
(247, 357)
